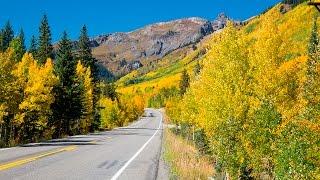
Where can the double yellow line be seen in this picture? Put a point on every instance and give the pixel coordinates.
(16, 163)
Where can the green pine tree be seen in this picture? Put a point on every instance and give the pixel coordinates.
(6, 36)
(18, 46)
(184, 82)
(22, 39)
(197, 68)
(65, 61)
(18, 50)
(67, 107)
(1, 40)
(109, 90)
(45, 47)
(33, 46)
(85, 54)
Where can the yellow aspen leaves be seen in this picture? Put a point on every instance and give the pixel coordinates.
(252, 100)
(37, 83)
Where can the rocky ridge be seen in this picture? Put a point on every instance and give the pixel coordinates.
(123, 52)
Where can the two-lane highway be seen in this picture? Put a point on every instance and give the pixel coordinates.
(125, 153)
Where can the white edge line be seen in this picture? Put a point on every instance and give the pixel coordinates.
(3, 149)
(119, 172)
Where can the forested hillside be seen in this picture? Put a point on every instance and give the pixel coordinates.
(46, 94)
(165, 77)
(253, 101)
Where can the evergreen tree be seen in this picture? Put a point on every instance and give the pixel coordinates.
(65, 62)
(197, 68)
(18, 46)
(45, 47)
(84, 52)
(67, 107)
(7, 36)
(33, 46)
(22, 39)
(18, 50)
(109, 90)
(1, 40)
(184, 82)
(85, 55)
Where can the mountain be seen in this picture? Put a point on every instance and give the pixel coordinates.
(294, 26)
(123, 52)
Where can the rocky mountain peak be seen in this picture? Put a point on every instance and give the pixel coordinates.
(220, 22)
(123, 52)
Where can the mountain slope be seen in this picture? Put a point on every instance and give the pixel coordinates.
(166, 73)
(123, 52)
(293, 25)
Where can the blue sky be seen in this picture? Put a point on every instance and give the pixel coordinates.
(105, 16)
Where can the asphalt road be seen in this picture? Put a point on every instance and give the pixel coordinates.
(125, 153)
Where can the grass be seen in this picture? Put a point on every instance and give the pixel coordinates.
(184, 159)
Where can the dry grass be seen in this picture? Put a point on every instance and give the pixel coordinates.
(184, 160)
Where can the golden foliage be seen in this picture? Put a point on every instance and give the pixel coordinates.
(37, 83)
(121, 111)
(250, 98)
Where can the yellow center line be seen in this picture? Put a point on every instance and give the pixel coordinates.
(16, 163)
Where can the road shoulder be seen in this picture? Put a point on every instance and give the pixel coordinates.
(163, 168)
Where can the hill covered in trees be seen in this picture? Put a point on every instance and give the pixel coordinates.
(252, 104)
(50, 93)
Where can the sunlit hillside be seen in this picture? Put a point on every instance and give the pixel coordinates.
(167, 71)
(255, 100)
(293, 25)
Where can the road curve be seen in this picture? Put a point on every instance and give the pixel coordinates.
(131, 152)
